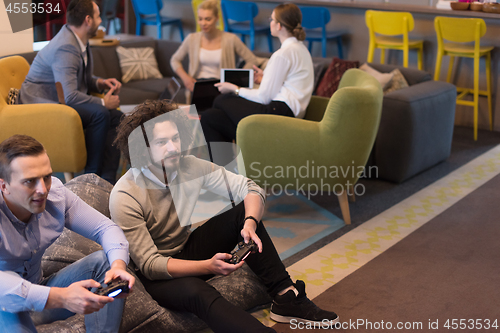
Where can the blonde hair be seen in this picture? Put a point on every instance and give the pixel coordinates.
(290, 17)
(212, 5)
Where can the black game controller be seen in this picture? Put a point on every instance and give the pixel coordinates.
(113, 289)
(242, 251)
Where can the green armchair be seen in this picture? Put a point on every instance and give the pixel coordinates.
(327, 151)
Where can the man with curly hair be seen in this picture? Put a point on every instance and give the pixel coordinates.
(153, 203)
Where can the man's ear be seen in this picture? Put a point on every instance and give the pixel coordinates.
(87, 20)
(3, 186)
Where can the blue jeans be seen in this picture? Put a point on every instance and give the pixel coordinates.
(93, 266)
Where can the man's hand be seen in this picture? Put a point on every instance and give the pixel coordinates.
(248, 232)
(218, 266)
(118, 271)
(226, 87)
(189, 82)
(257, 75)
(111, 101)
(77, 298)
(109, 84)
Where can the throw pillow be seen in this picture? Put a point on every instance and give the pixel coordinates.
(398, 82)
(138, 63)
(383, 78)
(13, 96)
(330, 81)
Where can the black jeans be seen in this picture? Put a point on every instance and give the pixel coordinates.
(219, 235)
(220, 122)
(100, 125)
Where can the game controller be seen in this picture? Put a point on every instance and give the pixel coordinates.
(241, 252)
(113, 289)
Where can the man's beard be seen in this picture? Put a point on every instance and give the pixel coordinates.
(93, 33)
(163, 166)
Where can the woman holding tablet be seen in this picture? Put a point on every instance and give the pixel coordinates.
(210, 49)
(286, 84)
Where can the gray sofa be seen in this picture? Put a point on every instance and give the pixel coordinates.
(141, 314)
(416, 127)
(107, 65)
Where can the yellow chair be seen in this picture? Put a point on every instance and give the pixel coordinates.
(384, 27)
(57, 127)
(459, 31)
(195, 4)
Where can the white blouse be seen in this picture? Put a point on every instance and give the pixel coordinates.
(209, 64)
(288, 77)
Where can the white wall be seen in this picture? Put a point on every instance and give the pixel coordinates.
(13, 43)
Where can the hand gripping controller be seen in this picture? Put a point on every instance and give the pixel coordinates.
(242, 251)
(113, 289)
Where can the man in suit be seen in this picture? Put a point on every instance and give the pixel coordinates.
(68, 60)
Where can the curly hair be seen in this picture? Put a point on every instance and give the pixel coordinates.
(144, 117)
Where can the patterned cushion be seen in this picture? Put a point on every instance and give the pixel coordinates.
(398, 82)
(138, 63)
(383, 78)
(333, 74)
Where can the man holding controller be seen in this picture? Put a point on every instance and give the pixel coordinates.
(153, 203)
(34, 209)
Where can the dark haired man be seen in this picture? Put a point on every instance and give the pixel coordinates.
(68, 60)
(34, 209)
(153, 203)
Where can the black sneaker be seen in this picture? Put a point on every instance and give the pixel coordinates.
(287, 307)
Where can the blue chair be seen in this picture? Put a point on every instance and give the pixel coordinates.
(318, 17)
(242, 13)
(147, 12)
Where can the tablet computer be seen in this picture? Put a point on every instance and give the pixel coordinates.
(240, 77)
(204, 93)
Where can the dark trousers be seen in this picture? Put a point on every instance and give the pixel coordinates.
(220, 122)
(219, 235)
(100, 125)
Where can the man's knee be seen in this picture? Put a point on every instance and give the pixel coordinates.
(199, 292)
(98, 263)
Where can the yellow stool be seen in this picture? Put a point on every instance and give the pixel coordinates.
(390, 24)
(458, 31)
(195, 4)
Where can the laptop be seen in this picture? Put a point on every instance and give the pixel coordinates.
(172, 89)
(204, 94)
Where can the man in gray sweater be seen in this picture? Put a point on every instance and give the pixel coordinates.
(154, 203)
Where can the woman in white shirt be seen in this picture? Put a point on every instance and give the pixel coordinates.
(210, 49)
(286, 84)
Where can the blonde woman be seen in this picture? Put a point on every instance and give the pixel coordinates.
(210, 49)
(286, 84)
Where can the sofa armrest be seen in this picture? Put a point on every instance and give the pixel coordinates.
(412, 76)
(415, 130)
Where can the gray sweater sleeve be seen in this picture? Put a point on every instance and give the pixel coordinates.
(128, 213)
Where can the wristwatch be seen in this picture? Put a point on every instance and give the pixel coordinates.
(237, 91)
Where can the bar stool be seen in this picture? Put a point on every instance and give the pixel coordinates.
(459, 31)
(390, 24)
